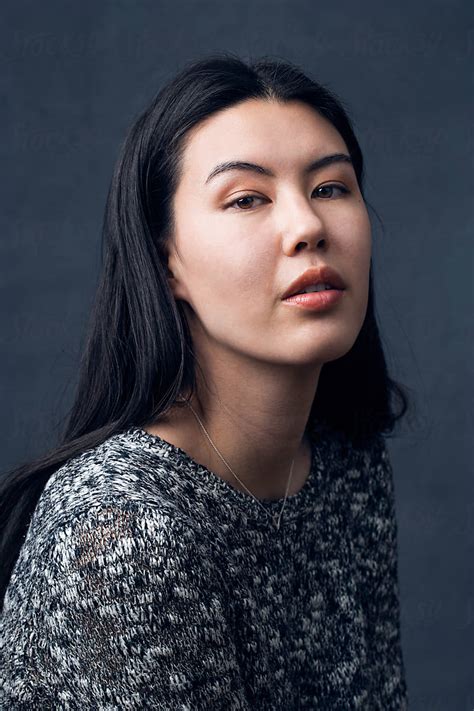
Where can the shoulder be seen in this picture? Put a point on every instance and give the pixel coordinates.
(358, 460)
(371, 469)
(105, 504)
(112, 550)
(372, 499)
(114, 476)
(360, 473)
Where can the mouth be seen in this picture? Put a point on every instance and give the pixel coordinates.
(315, 280)
(316, 300)
(315, 288)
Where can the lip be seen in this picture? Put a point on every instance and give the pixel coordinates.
(314, 276)
(316, 300)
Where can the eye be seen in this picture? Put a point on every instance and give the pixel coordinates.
(330, 186)
(244, 197)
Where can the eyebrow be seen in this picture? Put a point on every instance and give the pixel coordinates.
(254, 168)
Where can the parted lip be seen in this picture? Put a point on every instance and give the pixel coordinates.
(314, 276)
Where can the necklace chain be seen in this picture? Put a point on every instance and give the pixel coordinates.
(276, 520)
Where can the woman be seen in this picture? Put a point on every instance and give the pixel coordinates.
(217, 529)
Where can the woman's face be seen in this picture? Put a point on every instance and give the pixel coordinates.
(234, 255)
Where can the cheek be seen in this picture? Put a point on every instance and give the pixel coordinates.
(356, 235)
(234, 258)
(354, 247)
(222, 272)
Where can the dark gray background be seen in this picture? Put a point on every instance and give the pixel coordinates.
(74, 77)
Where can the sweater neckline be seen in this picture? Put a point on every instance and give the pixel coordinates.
(190, 471)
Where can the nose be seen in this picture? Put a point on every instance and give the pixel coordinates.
(300, 225)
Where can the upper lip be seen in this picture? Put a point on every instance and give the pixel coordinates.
(314, 276)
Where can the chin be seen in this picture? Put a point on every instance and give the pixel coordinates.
(319, 347)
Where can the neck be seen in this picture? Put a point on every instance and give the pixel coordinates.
(257, 421)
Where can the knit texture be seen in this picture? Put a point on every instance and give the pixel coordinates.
(146, 581)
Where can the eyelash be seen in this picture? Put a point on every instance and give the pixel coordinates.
(343, 189)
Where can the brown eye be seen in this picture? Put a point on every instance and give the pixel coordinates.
(242, 203)
(331, 187)
(243, 197)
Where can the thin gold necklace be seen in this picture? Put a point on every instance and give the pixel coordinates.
(275, 518)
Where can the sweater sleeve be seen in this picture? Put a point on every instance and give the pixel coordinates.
(120, 610)
(377, 557)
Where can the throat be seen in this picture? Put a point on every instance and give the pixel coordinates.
(301, 472)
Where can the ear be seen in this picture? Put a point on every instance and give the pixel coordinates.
(172, 271)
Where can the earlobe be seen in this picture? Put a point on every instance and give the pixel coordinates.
(172, 282)
(172, 275)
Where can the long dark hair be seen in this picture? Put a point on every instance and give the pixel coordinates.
(138, 357)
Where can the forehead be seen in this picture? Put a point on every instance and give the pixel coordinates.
(277, 134)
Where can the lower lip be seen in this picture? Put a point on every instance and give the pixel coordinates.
(316, 300)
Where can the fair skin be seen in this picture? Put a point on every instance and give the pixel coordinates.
(229, 265)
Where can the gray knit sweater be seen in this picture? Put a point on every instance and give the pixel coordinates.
(148, 582)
